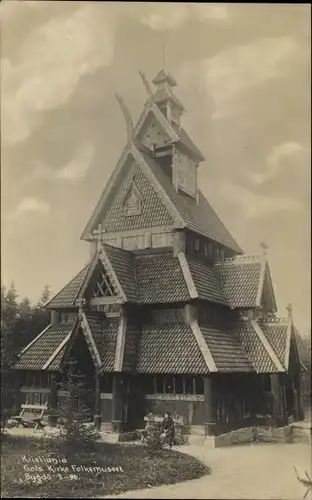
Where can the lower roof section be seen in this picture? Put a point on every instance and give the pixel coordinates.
(46, 351)
(173, 348)
(226, 350)
(169, 348)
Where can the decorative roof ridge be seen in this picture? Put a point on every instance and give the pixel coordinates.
(238, 259)
(274, 320)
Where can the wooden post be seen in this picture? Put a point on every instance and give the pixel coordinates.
(209, 424)
(97, 402)
(118, 402)
(278, 417)
(52, 406)
(55, 317)
(283, 396)
(178, 242)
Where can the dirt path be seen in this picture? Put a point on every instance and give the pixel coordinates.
(259, 471)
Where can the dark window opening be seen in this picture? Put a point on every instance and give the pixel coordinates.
(160, 384)
(266, 383)
(107, 383)
(169, 385)
(178, 382)
(199, 385)
(188, 385)
(148, 384)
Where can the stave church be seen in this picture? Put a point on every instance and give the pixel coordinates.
(169, 314)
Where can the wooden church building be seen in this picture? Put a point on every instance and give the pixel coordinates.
(169, 314)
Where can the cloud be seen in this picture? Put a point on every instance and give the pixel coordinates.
(274, 162)
(254, 205)
(162, 17)
(232, 72)
(49, 65)
(33, 205)
(77, 168)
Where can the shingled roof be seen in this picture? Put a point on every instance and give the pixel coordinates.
(169, 348)
(240, 279)
(38, 352)
(67, 296)
(200, 217)
(255, 350)
(206, 281)
(123, 265)
(226, 350)
(160, 279)
(276, 331)
(104, 332)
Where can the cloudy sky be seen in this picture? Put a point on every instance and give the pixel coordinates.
(243, 74)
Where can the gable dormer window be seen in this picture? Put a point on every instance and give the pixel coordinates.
(196, 244)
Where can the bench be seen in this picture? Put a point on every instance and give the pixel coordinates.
(29, 418)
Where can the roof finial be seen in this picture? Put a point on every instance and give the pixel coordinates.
(264, 247)
(128, 119)
(289, 309)
(147, 85)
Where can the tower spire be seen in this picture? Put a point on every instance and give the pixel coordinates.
(165, 56)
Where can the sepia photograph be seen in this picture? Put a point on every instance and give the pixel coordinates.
(155, 250)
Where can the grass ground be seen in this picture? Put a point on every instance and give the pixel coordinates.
(122, 468)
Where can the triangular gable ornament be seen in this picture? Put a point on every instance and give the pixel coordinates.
(133, 201)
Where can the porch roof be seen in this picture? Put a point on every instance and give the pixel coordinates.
(36, 355)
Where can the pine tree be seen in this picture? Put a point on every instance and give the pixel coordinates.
(73, 413)
(9, 320)
(45, 295)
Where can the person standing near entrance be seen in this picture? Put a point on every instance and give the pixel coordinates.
(168, 428)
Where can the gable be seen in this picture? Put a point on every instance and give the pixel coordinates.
(100, 284)
(152, 133)
(147, 210)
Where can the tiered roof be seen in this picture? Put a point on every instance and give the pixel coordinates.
(159, 277)
(167, 348)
